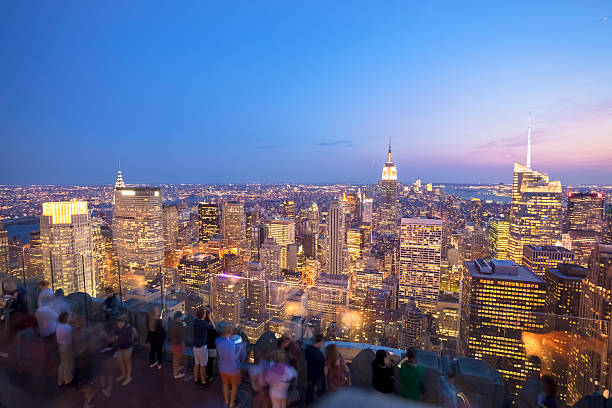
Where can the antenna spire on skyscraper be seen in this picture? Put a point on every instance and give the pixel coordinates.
(529, 142)
(389, 155)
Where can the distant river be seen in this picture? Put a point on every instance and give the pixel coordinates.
(20, 228)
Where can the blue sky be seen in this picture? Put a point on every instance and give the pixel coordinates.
(242, 91)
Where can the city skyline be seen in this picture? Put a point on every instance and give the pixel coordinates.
(255, 98)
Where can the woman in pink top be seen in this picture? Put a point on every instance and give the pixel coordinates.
(279, 378)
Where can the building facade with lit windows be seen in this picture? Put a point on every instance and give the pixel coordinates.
(419, 262)
(354, 243)
(270, 259)
(314, 219)
(233, 221)
(171, 225)
(500, 302)
(585, 211)
(563, 294)
(539, 258)
(208, 221)
(288, 209)
(227, 297)
(138, 232)
(4, 250)
(536, 212)
(499, 231)
(196, 271)
(67, 248)
(335, 239)
(590, 367)
(283, 232)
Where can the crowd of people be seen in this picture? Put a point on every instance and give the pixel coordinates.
(90, 355)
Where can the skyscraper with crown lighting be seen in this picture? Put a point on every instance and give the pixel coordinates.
(388, 223)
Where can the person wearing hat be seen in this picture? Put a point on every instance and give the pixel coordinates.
(124, 337)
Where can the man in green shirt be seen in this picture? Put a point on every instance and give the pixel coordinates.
(411, 377)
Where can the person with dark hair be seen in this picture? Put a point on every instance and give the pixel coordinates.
(411, 377)
(548, 397)
(111, 305)
(156, 337)
(63, 334)
(200, 347)
(336, 369)
(382, 373)
(315, 369)
(125, 342)
(211, 337)
(176, 335)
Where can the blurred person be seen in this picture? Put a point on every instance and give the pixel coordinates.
(411, 376)
(60, 304)
(278, 377)
(176, 337)
(548, 397)
(292, 349)
(382, 373)
(45, 292)
(63, 334)
(111, 305)
(124, 337)
(336, 369)
(86, 343)
(315, 368)
(210, 343)
(46, 317)
(156, 338)
(200, 347)
(229, 355)
(260, 398)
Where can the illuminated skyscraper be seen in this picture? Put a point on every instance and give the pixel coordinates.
(499, 231)
(227, 297)
(288, 209)
(314, 219)
(367, 205)
(585, 211)
(563, 294)
(388, 190)
(500, 301)
(283, 232)
(539, 258)
(270, 259)
(258, 234)
(590, 364)
(197, 271)
(581, 243)
(419, 262)
(138, 232)
(335, 241)
(234, 221)
(354, 243)
(171, 221)
(256, 293)
(67, 250)
(536, 211)
(4, 250)
(208, 220)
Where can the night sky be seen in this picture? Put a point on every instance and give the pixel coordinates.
(237, 91)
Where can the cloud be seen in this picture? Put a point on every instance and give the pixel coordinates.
(344, 143)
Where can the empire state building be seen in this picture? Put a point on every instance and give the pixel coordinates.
(388, 192)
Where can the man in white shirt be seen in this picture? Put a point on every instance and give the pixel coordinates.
(46, 317)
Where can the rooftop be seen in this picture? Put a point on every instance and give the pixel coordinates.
(501, 270)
